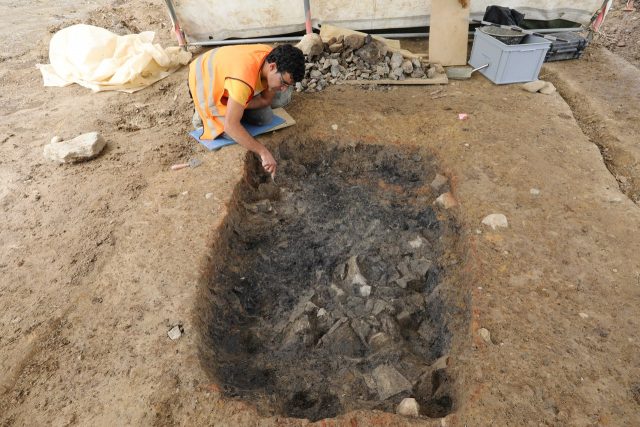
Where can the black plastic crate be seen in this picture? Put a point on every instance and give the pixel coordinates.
(571, 49)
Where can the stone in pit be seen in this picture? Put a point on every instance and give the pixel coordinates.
(446, 200)
(298, 332)
(438, 182)
(389, 381)
(409, 407)
(353, 274)
(342, 340)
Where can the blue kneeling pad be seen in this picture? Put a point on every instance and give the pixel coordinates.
(222, 141)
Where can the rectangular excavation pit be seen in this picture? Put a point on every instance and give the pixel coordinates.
(329, 290)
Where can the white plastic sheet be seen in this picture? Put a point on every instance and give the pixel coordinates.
(204, 20)
(101, 60)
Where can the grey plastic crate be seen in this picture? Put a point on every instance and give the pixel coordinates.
(508, 63)
(571, 49)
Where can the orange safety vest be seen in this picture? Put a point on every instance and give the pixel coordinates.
(207, 75)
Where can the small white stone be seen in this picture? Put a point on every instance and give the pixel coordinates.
(321, 312)
(446, 200)
(548, 88)
(184, 193)
(358, 279)
(534, 86)
(334, 127)
(408, 407)
(415, 244)
(583, 315)
(365, 291)
(208, 196)
(496, 221)
(485, 335)
(534, 192)
(175, 332)
(56, 139)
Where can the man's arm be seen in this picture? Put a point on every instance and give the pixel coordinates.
(262, 100)
(239, 134)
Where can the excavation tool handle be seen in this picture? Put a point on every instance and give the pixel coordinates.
(179, 166)
(182, 41)
(307, 17)
(520, 30)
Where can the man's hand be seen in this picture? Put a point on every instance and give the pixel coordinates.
(268, 162)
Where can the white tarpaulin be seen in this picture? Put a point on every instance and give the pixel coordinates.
(204, 20)
(101, 60)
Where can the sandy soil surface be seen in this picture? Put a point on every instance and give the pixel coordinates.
(619, 33)
(98, 260)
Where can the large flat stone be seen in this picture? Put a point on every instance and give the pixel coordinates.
(389, 381)
(83, 147)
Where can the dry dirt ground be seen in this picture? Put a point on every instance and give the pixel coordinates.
(99, 259)
(620, 31)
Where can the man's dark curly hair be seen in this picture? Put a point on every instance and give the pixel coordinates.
(288, 59)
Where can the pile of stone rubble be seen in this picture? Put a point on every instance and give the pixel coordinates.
(357, 57)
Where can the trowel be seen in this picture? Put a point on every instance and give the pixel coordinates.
(193, 163)
(462, 73)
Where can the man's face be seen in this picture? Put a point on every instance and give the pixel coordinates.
(278, 81)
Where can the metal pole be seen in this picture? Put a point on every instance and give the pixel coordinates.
(298, 38)
(287, 39)
(245, 41)
(307, 17)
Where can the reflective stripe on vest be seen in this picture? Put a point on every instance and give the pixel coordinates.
(207, 110)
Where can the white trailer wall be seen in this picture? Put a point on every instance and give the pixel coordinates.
(218, 19)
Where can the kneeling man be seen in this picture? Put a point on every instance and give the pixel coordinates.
(239, 82)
